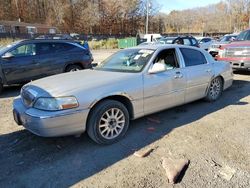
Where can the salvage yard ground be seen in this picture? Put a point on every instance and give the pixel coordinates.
(215, 137)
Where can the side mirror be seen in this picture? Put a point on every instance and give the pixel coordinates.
(157, 67)
(7, 55)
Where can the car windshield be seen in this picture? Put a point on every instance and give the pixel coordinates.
(129, 60)
(168, 40)
(5, 48)
(227, 38)
(244, 35)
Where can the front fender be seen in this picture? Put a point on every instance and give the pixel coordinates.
(123, 94)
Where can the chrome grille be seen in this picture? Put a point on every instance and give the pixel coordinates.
(215, 45)
(27, 97)
(237, 52)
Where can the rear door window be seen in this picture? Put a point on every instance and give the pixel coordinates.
(44, 48)
(63, 47)
(193, 57)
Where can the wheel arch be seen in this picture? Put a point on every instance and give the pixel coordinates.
(122, 98)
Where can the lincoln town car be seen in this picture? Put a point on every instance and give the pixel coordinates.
(130, 84)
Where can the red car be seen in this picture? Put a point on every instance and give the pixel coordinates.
(237, 53)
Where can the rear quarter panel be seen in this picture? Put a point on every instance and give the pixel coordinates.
(222, 68)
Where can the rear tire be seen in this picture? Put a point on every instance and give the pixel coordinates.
(215, 89)
(73, 68)
(108, 122)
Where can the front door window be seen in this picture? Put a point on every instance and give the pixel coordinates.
(24, 50)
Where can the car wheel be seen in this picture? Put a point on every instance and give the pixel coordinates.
(73, 68)
(215, 89)
(108, 122)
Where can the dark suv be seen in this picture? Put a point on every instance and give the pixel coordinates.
(28, 60)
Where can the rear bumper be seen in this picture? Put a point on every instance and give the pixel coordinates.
(50, 124)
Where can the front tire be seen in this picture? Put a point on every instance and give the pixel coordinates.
(215, 89)
(108, 122)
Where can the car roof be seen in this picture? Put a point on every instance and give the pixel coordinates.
(47, 40)
(162, 46)
(229, 35)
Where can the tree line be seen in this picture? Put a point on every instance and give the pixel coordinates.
(127, 16)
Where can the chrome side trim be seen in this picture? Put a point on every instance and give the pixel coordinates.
(55, 115)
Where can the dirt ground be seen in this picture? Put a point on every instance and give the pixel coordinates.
(215, 137)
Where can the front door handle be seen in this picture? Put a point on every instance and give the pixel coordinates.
(178, 75)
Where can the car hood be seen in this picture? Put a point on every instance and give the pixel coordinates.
(74, 83)
(238, 44)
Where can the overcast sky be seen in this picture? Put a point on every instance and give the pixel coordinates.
(169, 5)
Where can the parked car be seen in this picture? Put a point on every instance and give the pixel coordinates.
(130, 84)
(56, 36)
(215, 47)
(205, 42)
(166, 40)
(62, 37)
(237, 53)
(28, 60)
(152, 37)
(184, 40)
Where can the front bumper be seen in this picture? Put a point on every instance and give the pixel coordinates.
(242, 65)
(50, 124)
(237, 64)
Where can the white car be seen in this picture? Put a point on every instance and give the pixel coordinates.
(205, 42)
(130, 84)
(215, 47)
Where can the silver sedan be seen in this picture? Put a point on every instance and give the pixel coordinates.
(130, 84)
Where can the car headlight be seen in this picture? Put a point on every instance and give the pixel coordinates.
(54, 104)
(221, 53)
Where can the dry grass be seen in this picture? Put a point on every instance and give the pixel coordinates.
(104, 44)
(6, 41)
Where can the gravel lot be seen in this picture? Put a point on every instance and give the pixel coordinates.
(215, 137)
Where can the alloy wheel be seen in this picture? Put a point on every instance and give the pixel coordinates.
(111, 123)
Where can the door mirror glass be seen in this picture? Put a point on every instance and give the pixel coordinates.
(7, 55)
(157, 67)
